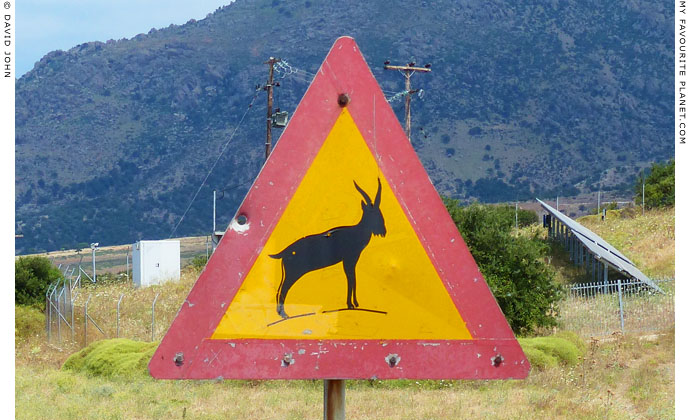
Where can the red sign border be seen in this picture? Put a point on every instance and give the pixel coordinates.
(186, 352)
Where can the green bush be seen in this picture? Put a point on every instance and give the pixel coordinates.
(28, 321)
(513, 266)
(560, 348)
(114, 357)
(573, 338)
(525, 217)
(660, 186)
(538, 359)
(32, 276)
(199, 262)
(544, 352)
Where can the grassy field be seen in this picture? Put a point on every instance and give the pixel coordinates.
(624, 378)
(617, 377)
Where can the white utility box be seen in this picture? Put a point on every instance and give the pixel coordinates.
(155, 262)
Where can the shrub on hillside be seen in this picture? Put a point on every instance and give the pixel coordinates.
(113, 357)
(28, 321)
(525, 217)
(544, 352)
(32, 276)
(513, 266)
(660, 186)
(199, 262)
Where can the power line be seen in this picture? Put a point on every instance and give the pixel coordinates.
(284, 69)
(215, 163)
(397, 96)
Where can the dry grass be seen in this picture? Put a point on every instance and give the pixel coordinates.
(623, 378)
(597, 314)
(649, 240)
(135, 318)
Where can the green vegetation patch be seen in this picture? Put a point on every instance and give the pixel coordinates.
(114, 357)
(538, 358)
(573, 338)
(660, 185)
(32, 277)
(544, 352)
(513, 265)
(28, 321)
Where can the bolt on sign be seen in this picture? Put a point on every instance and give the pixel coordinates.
(342, 261)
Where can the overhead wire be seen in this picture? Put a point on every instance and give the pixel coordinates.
(285, 69)
(282, 70)
(225, 146)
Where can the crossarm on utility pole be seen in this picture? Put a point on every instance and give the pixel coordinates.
(409, 70)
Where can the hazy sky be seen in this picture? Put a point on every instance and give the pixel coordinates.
(48, 25)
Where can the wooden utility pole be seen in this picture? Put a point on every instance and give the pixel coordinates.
(408, 70)
(269, 114)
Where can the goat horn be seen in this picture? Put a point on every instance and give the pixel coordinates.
(361, 191)
(377, 200)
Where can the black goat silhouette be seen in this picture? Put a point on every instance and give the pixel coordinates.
(344, 243)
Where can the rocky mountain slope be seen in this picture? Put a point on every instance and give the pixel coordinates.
(114, 138)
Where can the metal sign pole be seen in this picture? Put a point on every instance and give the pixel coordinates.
(334, 399)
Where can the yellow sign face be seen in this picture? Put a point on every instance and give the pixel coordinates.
(343, 261)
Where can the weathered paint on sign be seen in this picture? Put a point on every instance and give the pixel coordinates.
(342, 261)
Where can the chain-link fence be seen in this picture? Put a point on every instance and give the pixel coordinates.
(628, 306)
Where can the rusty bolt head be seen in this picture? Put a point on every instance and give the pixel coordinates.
(287, 360)
(497, 360)
(392, 359)
(343, 100)
(178, 359)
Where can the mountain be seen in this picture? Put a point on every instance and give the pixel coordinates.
(114, 139)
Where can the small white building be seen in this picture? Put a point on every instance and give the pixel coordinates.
(155, 262)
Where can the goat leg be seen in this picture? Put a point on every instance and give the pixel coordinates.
(349, 268)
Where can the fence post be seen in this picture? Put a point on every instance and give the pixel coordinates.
(59, 312)
(71, 302)
(606, 272)
(117, 331)
(620, 304)
(49, 309)
(153, 315)
(86, 319)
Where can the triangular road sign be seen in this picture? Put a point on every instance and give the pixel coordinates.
(342, 261)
